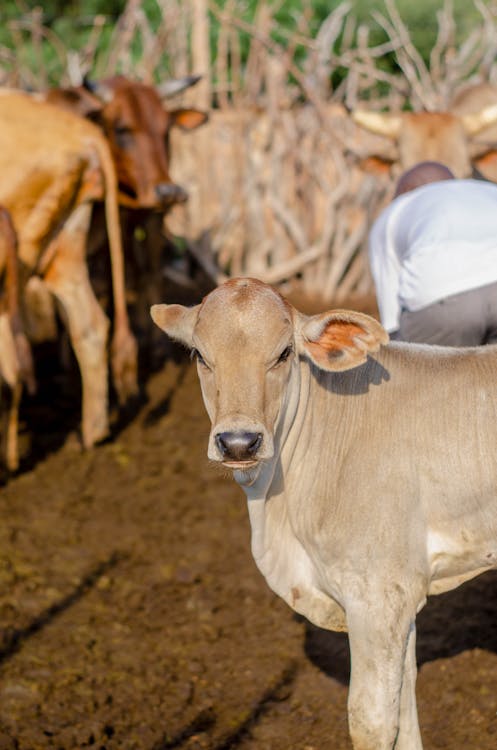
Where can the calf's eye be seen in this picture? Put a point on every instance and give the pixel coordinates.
(122, 135)
(196, 354)
(284, 355)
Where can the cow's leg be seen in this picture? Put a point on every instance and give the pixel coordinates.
(378, 636)
(10, 374)
(409, 735)
(12, 429)
(67, 278)
(148, 259)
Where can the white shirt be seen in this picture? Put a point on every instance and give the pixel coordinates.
(437, 240)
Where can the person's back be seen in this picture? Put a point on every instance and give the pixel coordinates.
(433, 243)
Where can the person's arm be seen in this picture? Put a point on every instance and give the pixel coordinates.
(385, 268)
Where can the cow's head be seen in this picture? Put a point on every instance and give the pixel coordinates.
(429, 136)
(137, 125)
(248, 341)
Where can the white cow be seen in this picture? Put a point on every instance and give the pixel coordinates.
(431, 136)
(370, 473)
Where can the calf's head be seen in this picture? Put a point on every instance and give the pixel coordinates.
(249, 342)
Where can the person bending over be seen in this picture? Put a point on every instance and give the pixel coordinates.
(433, 257)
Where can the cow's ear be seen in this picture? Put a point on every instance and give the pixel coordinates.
(188, 119)
(340, 339)
(176, 320)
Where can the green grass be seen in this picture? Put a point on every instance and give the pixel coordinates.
(71, 21)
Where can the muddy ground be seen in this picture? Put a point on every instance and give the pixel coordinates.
(132, 616)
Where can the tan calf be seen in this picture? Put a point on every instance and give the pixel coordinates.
(370, 472)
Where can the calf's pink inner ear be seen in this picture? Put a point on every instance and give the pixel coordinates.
(339, 334)
(188, 119)
(343, 344)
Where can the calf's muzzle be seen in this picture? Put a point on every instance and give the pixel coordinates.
(238, 446)
(168, 193)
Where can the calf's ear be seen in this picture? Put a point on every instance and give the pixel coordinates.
(340, 339)
(176, 320)
(188, 119)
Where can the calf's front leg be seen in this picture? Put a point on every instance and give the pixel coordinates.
(382, 702)
(409, 735)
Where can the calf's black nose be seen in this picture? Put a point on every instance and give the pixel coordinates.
(168, 192)
(238, 446)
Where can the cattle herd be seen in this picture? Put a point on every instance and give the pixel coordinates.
(78, 165)
(81, 168)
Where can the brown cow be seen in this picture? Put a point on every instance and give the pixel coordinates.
(429, 136)
(54, 164)
(137, 125)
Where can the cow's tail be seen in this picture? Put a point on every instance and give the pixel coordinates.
(16, 366)
(123, 348)
(22, 347)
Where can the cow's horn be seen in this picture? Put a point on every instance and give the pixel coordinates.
(477, 121)
(382, 123)
(176, 85)
(103, 92)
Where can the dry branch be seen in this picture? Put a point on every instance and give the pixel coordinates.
(275, 188)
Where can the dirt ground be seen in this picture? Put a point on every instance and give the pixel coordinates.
(132, 616)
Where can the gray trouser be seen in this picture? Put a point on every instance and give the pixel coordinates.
(465, 319)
